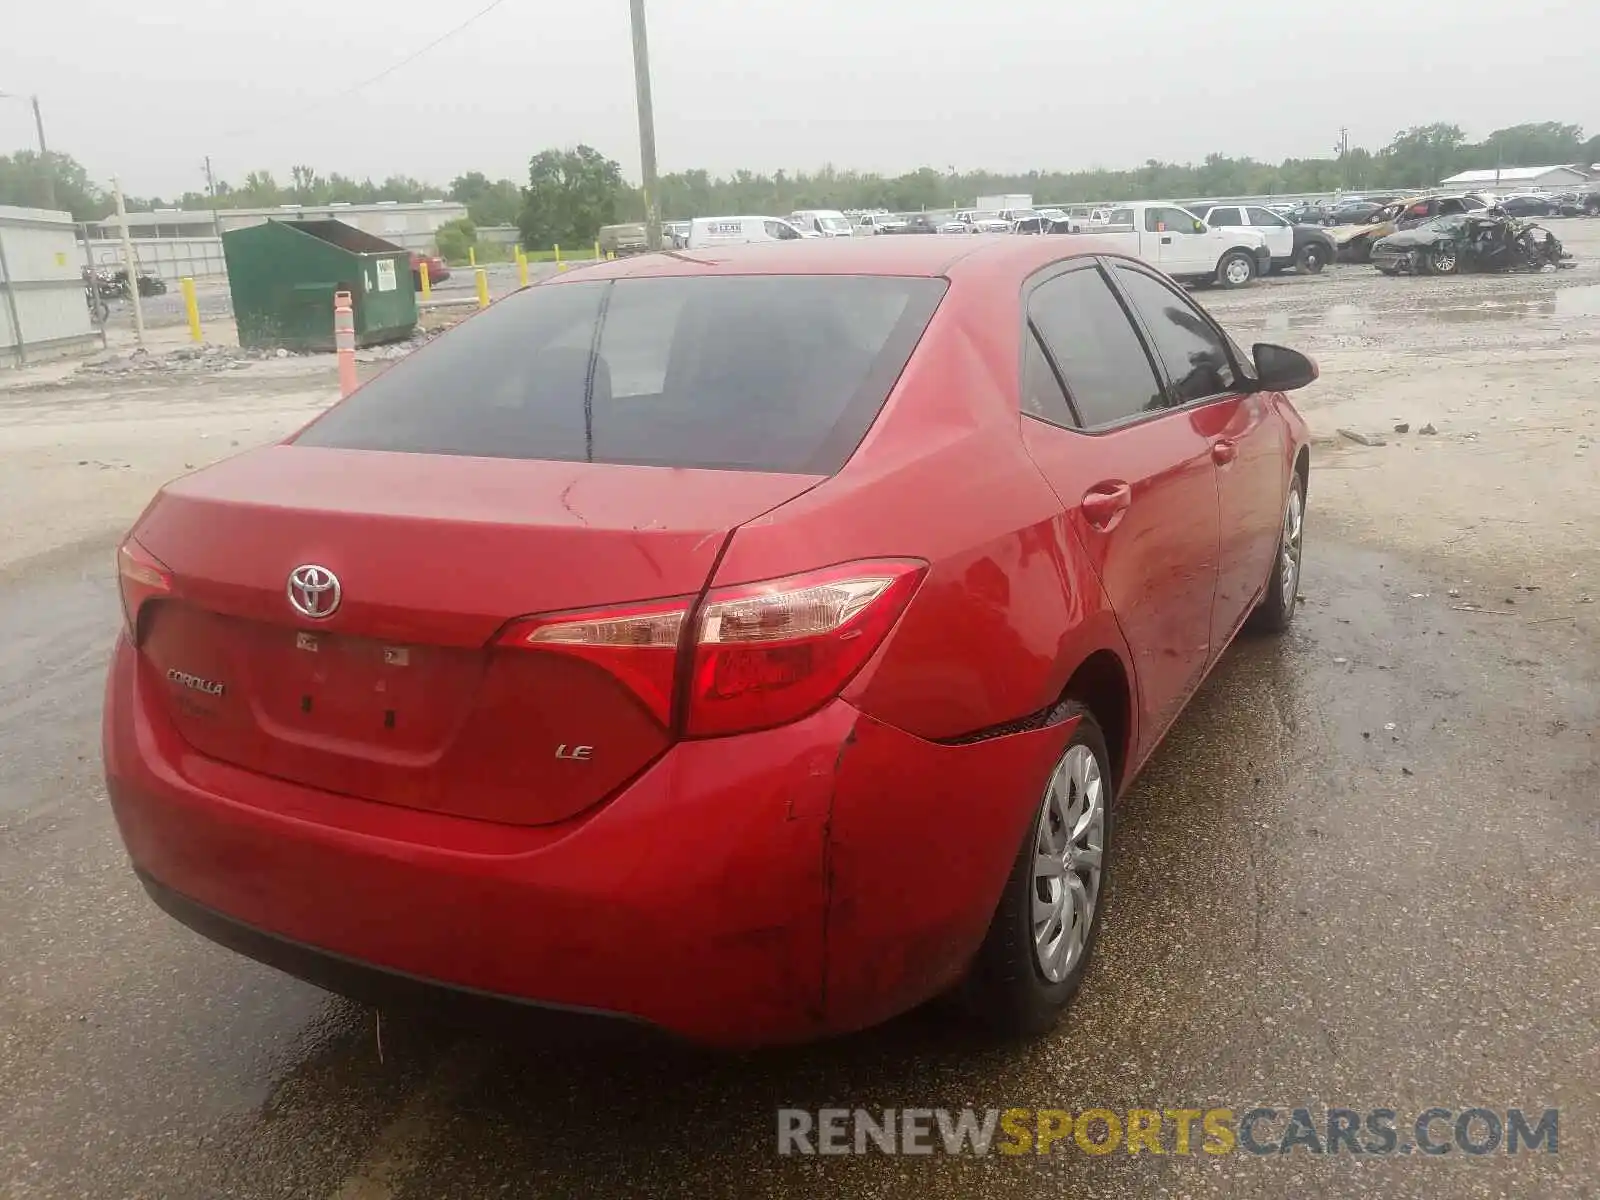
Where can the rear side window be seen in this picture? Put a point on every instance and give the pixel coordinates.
(1193, 352)
(1224, 218)
(756, 372)
(1100, 357)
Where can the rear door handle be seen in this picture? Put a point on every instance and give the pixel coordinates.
(1104, 504)
(1223, 452)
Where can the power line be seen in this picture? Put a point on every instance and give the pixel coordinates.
(389, 70)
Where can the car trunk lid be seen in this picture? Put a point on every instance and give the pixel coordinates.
(398, 693)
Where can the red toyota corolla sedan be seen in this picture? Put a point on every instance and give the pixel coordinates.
(750, 643)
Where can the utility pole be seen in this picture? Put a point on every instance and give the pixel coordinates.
(129, 261)
(211, 190)
(1344, 158)
(44, 158)
(44, 150)
(647, 128)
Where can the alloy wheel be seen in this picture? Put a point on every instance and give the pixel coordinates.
(1289, 548)
(1069, 843)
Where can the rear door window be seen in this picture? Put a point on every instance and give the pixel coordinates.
(1224, 218)
(762, 373)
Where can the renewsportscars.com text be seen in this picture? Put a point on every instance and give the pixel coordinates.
(1179, 1132)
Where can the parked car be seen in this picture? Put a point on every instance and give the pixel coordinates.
(1527, 205)
(1307, 212)
(883, 223)
(624, 240)
(732, 231)
(985, 222)
(1306, 248)
(1351, 212)
(927, 222)
(1181, 244)
(824, 222)
(1482, 241)
(1040, 223)
(628, 651)
(1355, 242)
(438, 269)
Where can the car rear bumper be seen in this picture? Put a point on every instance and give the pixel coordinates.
(771, 887)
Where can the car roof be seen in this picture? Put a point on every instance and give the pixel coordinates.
(931, 257)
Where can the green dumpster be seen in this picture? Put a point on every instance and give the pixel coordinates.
(283, 275)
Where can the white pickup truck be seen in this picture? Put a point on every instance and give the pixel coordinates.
(1181, 244)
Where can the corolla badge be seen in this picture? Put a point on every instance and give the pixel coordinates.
(208, 687)
(314, 591)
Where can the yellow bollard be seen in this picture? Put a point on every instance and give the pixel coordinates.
(522, 267)
(192, 307)
(558, 258)
(597, 250)
(483, 288)
(472, 256)
(422, 276)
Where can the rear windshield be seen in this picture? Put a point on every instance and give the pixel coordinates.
(758, 372)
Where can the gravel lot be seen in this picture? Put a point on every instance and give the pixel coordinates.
(1361, 871)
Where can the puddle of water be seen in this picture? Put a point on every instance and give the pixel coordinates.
(1579, 301)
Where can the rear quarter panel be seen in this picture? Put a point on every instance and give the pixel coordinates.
(1009, 607)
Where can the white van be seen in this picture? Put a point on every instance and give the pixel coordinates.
(825, 222)
(732, 231)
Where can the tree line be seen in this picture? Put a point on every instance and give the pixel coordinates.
(570, 193)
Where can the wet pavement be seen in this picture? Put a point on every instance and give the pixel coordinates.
(1359, 873)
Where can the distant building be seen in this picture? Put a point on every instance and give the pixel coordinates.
(413, 226)
(1517, 179)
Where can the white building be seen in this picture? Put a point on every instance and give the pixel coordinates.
(413, 226)
(174, 242)
(1517, 179)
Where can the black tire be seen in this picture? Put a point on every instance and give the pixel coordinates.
(1226, 266)
(1007, 989)
(1277, 607)
(1311, 258)
(1443, 260)
(1361, 250)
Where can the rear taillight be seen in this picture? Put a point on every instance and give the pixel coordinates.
(764, 654)
(141, 576)
(769, 653)
(636, 643)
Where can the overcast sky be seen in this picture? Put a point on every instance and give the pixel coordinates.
(146, 89)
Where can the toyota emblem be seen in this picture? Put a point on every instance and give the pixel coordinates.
(314, 591)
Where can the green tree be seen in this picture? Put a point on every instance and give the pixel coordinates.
(1541, 144)
(495, 202)
(456, 238)
(23, 183)
(570, 195)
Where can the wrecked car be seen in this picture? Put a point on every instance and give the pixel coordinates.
(1355, 242)
(1483, 242)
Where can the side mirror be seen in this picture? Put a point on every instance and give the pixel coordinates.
(1201, 227)
(1280, 369)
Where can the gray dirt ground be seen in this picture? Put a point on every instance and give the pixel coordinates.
(1361, 871)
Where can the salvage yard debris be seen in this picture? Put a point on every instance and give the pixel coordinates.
(1480, 241)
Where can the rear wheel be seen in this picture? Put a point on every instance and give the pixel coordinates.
(1042, 934)
(1236, 269)
(1312, 257)
(1277, 607)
